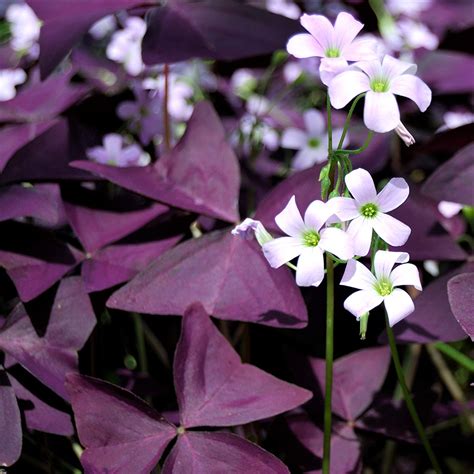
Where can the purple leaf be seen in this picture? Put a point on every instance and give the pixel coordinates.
(120, 432)
(432, 319)
(51, 357)
(43, 100)
(453, 180)
(113, 265)
(201, 174)
(214, 453)
(213, 386)
(213, 29)
(42, 201)
(461, 301)
(228, 269)
(96, 228)
(34, 259)
(64, 25)
(428, 240)
(345, 446)
(10, 420)
(14, 137)
(357, 378)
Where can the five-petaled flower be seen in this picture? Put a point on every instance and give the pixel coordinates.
(308, 240)
(312, 144)
(381, 81)
(336, 45)
(381, 287)
(367, 210)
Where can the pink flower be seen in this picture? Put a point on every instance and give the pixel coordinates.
(113, 152)
(381, 80)
(249, 228)
(335, 44)
(381, 288)
(9, 78)
(308, 241)
(367, 210)
(312, 143)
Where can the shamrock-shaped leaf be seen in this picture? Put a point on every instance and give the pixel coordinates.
(461, 301)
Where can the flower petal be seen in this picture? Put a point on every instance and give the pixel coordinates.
(294, 139)
(304, 46)
(316, 215)
(337, 242)
(346, 28)
(391, 230)
(398, 305)
(362, 301)
(413, 88)
(361, 186)
(310, 267)
(385, 260)
(289, 220)
(330, 68)
(282, 250)
(360, 231)
(357, 276)
(113, 143)
(320, 28)
(345, 86)
(372, 68)
(344, 208)
(308, 156)
(314, 123)
(393, 195)
(381, 112)
(393, 67)
(362, 49)
(406, 274)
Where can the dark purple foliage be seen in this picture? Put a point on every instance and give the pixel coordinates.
(461, 301)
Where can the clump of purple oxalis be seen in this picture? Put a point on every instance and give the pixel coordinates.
(145, 326)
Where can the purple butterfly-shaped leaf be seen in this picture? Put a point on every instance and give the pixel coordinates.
(214, 29)
(461, 301)
(453, 181)
(229, 269)
(201, 174)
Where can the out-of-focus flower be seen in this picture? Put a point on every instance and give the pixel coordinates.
(179, 94)
(24, 27)
(456, 119)
(258, 131)
(381, 80)
(9, 78)
(407, 8)
(125, 47)
(381, 288)
(100, 29)
(404, 134)
(367, 210)
(312, 143)
(113, 152)
(243, 82)
(336, 45)
(417, 35)
(144, 115)
(308, 241)
(250, 228)
(449, 209)
(258, 105)
(284, 7)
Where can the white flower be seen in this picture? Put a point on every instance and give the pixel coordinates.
(381, 288)
(126, 45)
(367, 210)
(312, 143)
(9, 78)
(25, 28)
(101, 28)
(308, 240)
(249, 228)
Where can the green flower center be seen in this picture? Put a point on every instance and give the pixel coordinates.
(379, 85)
(332, 53)
(314, 143)
(311, 238)
(383, 287)
(369, 210)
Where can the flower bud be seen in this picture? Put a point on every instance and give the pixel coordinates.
(404, 134)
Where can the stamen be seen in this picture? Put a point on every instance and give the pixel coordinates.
(311, 238)
(314, 142)
(369, 210)
(379, 85)
(332, 53)
(383, 287)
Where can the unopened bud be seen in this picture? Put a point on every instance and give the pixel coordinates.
(404, 134)
(364, 322)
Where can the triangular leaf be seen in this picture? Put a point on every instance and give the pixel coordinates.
(461, 300)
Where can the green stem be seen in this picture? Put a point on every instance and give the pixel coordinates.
(363, 147)
(329, 363)
(408, 400)
(329, 126)
(140, 340)
(454, 354)
(348, 119)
